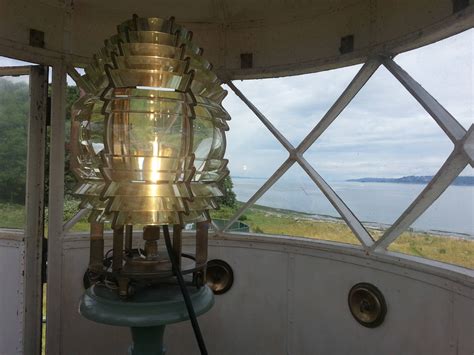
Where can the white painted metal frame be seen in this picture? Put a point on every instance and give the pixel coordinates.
(462, 155)
(34, 203)
(56, 175)
(296, 154)
(453, 166)
(34, 210)
(56, 199)
(76, 218)
(56, 207)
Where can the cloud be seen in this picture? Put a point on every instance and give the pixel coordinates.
(383, 132)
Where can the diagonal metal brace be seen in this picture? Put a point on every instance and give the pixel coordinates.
(276, 133)
(346, 97)
(346, 213)
(361, 78)
(468, 145)
(453, 129)
(453, 166)
(264, 188)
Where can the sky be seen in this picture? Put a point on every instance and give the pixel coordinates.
(383, 132)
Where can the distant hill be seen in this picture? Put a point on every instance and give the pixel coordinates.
(248, 177)
(459, 181)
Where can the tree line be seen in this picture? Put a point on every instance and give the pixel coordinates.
(14, 113)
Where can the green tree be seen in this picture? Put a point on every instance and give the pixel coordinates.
(71, 97)
(14, 113)
(14, 109)
(72, 94)
(229, 199)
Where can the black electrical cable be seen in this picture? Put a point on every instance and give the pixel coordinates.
(184, 291)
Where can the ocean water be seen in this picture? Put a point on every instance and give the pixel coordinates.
(378, 203)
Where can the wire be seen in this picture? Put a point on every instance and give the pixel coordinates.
(184, 291)
(142, 256)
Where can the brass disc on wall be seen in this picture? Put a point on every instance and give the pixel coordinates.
(220, 276)
(367, 304)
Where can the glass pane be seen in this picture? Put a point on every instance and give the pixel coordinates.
(295, 104)
(452, 62)
(450, 237)
(380, 153)
(71, 202)
(14, 112)
(253, 153)
(294, 206)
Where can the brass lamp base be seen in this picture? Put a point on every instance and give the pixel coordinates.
(147, 314)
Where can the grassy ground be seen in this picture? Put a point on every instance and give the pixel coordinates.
(450, 250)
(267, 220)
(282, 222)
(12, 215)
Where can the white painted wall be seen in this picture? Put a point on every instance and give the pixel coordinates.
(11, 292)
(290, 297)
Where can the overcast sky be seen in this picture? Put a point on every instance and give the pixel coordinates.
(383, 132)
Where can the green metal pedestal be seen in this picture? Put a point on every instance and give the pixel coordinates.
(147, 341)
(147, 314)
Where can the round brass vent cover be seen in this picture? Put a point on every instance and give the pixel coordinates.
(220, 276)
(367, 304)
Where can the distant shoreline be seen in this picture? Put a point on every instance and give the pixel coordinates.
(371, 225)
(249, 177)
(412, 179)
(418, 180)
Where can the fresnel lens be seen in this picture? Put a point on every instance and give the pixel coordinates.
(148, 147)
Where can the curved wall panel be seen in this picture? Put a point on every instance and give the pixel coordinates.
(12, 300)
(290, 297)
